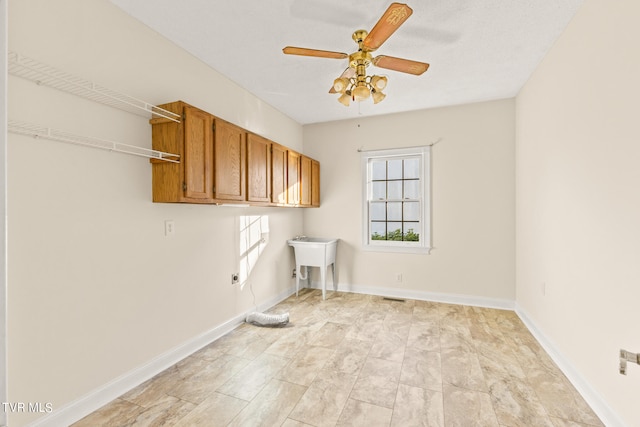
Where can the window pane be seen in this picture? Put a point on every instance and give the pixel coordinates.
(412, 168)
(394, 211)
(379, 190)
(378, 231)
(411, 231)
(412, 189)
(411, 211)
(378, 211)
(378, 169)
(395, 169)
(394, 190)
(394, 231)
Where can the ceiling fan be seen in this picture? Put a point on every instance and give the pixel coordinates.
(354, 84)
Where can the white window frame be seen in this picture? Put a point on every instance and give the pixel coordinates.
(424, 245)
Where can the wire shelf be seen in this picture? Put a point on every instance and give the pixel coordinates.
(22, 66)
(38, 131)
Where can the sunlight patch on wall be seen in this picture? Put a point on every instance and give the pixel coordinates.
(253, 239)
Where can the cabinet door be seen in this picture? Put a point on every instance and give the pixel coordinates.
(230, 159)
(315, 183)
(258, 168)
(305, 181)
(293, 178)
(278, 174)
(197, 154)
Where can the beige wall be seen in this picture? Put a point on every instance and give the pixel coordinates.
(95, 288)
(578, 203)
(473, 201)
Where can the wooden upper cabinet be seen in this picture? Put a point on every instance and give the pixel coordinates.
(305, 181)
(229, 156)
(258, 169)
(221, 162)
(278, 174)
(293, 178)
(315, 183)
(309, 182)
(197, 154)
(191, 180)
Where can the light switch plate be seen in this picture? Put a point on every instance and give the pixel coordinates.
(169, 227)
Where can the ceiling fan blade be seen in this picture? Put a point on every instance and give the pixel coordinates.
(347, 74)
(395, 16)
(291, 50)
(400, 64)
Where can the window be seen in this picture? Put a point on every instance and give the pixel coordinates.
(396, 202)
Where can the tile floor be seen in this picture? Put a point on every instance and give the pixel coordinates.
(361, 360)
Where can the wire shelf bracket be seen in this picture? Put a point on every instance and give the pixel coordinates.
(37, 131)
(41, 74)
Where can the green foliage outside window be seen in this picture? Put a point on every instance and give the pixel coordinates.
(409, 236)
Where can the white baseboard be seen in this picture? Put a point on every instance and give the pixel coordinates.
(590, 395)
(421, 295)
(92, 401)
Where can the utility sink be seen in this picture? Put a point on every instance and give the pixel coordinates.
(314, 252)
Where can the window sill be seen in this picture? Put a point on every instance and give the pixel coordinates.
(398, 249)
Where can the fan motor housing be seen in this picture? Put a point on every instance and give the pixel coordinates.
(360, 58)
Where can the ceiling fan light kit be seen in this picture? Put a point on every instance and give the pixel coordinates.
(354, 84)
(360, 89)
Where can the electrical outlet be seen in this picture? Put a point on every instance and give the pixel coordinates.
(293, 274)
(235, 278)
(398, 277)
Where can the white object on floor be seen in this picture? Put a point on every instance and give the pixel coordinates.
(262, 319)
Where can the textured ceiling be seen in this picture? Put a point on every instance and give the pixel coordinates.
(478, 50)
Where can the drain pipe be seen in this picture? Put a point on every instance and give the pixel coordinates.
(306, 272)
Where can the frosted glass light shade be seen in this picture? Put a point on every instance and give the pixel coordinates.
(340, 84)
(361, 93)
(377, 96)
(344, 99)
(379, 82)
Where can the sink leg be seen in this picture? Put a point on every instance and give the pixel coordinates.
(297, 279)
(323, 279)
(333, 273)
